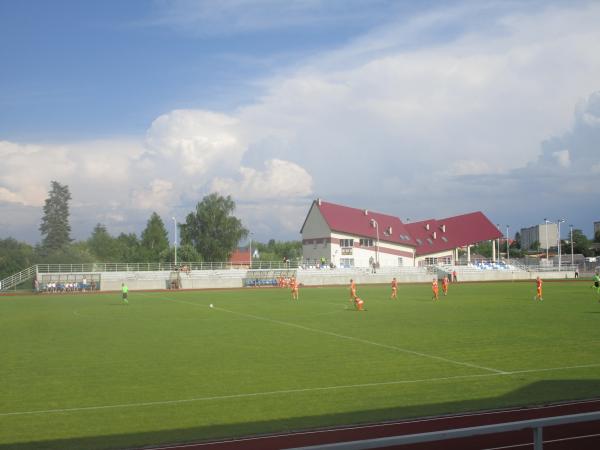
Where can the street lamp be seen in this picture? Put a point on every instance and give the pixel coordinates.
(498, 257)
(175, 238)
(559, 221)
(571, 226)
(507, 251)
(375, 225)
(250, 234)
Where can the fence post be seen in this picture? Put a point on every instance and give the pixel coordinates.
(538, 441)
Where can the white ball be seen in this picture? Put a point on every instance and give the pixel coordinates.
(211, 305)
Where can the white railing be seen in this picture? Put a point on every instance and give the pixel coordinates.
(14, 280)
(536, 425)
(154, 267)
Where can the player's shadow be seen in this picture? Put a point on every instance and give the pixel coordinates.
(538, 393)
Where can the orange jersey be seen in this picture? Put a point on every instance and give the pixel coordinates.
(444, 282)
(394, 284)
(538, 283)
(434, 285)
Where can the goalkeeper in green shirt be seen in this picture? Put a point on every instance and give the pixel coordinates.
(124, 291)
(596, 282)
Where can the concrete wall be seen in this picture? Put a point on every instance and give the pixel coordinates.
(215, 279)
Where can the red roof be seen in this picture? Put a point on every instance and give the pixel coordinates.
(240, 257)
(442, 235)
(452, 232)
(359, 222)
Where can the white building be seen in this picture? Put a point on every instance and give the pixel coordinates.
(351, 237)
(546, 234)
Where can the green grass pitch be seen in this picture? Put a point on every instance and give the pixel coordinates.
(85, 371)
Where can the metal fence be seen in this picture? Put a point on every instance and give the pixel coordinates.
(536, 425)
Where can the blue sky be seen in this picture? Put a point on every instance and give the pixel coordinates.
(418, 109)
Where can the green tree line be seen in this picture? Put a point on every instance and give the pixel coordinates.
(210, 233)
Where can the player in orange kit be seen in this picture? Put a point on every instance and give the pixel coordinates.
(445, 286)
(435, 289)
(538, 285)
(394, 289)
(294, 288)
(359, 304)
(352, 291)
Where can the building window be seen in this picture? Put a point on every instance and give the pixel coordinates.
(346, 243)
(400, 262)
(346, 262)
(366, 242)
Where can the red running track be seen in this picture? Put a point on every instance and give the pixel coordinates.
(581, 436)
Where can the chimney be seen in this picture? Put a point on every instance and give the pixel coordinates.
(319, 201)
(366, 212)
(443, 228)
(435, 234)
(427, 226)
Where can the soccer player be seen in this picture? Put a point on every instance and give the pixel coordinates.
(294, 288)
(597, 282)
(434, 288)
(359, 304)
(394, 289)
(124, 291)
(352, 291)
(445, 286)
(538, 285)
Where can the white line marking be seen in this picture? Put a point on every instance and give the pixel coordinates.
(363, 341)
(287, 391)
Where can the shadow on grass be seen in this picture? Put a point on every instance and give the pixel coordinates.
(539, 393)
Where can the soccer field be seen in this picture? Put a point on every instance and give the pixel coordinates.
(85, 371)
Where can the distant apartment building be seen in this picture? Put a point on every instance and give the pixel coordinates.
(546, 234)
(596, 228)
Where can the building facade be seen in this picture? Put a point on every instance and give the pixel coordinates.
(545, 234)
(352, 237)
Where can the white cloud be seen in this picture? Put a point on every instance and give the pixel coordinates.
(157, 196)
(562, 158)
(279, 180)
(399, 116)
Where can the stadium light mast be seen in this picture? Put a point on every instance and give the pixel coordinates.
(175, 238)
(507, 250)
(559, 221)
(571, 226)
(375, 225)
(498, 257)
(250, 247)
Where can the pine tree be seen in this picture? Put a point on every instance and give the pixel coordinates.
(55, 228)
(154, 239)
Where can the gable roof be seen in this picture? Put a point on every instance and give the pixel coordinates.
(452, 232)
(359, 222)
(428, 236)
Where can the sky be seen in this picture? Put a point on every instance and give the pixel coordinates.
(417, 109)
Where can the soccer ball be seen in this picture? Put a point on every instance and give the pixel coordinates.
(211, 305)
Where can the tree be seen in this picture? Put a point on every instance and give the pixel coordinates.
(103, 246)
(14, 257)
(154, 238)
(212, 229)
(581, 244)
(55, 228)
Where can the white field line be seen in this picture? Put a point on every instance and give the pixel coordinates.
(288, 391)
(351, 338)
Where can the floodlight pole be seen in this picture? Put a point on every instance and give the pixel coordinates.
(559, 221)
(376, 225)
(572, 262)
(250, 247)
(498, 257)
(507, 250)
(175, 238)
